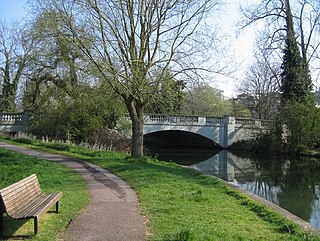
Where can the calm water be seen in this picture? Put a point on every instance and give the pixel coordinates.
(293, 184)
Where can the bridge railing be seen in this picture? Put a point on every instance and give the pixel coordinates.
(171, 119)
(215, 121)
(253, 122)
(11, 118)
(184, 120)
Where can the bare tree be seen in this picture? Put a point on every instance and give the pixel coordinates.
(14, 53)
(260, 87)
(131, 42)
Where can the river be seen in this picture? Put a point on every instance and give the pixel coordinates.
(293, 184)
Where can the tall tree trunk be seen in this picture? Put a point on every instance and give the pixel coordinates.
(136, 114)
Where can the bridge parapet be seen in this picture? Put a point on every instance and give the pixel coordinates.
(184, 120)
(171, 119)
(13, 122)
(11, 118)
(254, 123)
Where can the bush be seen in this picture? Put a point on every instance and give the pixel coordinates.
(302, 121)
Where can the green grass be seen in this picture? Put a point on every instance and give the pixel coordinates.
(52, 177)
(181, 204)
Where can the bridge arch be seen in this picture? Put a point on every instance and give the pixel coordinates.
(212, 129)
(169, 138)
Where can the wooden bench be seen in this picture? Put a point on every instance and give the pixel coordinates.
(24, 200)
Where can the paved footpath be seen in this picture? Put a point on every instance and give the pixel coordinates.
(112, 214)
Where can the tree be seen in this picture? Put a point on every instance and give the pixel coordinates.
(55, 58)
(296, 81)
(205, 100)
(14, 54)
(300, 48)
(86, 118)
(132, 44)
(261, 86)
(170, 98)
(303, 124)
(63, 93)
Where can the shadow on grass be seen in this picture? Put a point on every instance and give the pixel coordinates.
(11, 227)
(149, 169)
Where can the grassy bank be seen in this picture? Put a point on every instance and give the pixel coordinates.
(52, 177)
(181, 204)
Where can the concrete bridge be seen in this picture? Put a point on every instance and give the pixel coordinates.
(221, 131)
(196, 130)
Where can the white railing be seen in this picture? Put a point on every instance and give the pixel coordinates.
(215, 120)
(172, 119)
(11, 118)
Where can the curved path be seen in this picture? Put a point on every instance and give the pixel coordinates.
(113, 211)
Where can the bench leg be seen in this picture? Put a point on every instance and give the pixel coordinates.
(35, 225)
(1, 226)
(57, 207)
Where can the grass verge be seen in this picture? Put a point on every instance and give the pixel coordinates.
(52, 177)
(181, 204)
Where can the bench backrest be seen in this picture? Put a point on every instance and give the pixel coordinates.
(19, 193)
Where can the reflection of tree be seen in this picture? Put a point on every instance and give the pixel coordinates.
(266, 178)
(290, 184)
(298, 187)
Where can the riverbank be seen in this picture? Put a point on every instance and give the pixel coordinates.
(181, 204)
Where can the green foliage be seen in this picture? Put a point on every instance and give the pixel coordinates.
(296, 80)
(204, 100)
(270, 142)
(84, 118)
(169, 98)
(238, 109)
(302, 122)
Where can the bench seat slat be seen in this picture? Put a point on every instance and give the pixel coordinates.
(49, 201)
(38, 206)
(22, 211)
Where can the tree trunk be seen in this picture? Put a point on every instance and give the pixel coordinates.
(136, 114)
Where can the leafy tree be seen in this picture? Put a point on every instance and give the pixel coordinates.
(302, 121)
(238, 109)
(296, 81)
(55, 58)
(132, 44)
(170, 97)
(64, 93)
(205, 100)
(85, 118)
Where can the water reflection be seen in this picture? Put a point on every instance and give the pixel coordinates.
(293, 184)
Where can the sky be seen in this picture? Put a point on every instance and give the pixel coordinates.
(242, 49)
(11, 10)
